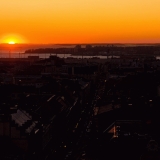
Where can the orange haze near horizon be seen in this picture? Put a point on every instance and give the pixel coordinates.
(80, 21)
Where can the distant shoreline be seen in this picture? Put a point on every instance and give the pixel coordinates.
(22, 48)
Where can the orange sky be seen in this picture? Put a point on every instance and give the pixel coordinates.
(80, 21)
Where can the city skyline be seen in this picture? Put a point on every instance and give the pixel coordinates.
(71, 22)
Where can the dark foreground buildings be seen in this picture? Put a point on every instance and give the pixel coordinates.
(80, 108)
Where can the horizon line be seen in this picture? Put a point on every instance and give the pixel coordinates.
(80, 43)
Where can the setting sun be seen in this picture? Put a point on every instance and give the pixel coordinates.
(12, 39)
(11, 42)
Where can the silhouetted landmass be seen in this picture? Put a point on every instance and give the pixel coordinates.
(101, 50)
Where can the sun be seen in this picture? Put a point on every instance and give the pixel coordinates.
(12, 39)
(11, 42)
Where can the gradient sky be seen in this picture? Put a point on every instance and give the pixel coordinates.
(80, 21)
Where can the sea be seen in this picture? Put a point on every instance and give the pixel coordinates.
(18, 51)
